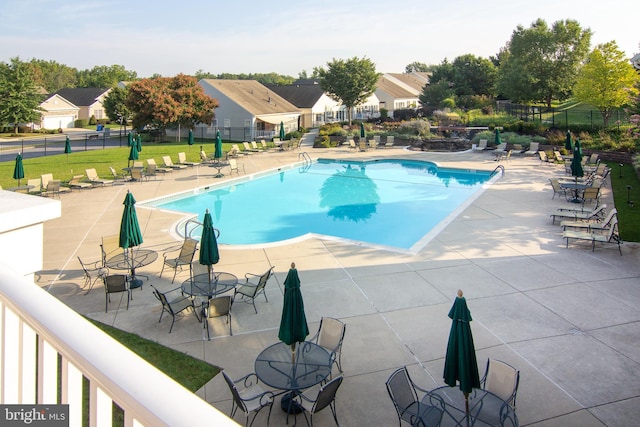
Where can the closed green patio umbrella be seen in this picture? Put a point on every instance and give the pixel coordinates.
(293, 323)
(133, 153)
(18, 169)
(139, 143)
(282, 134)
(460, 364)
(190, 140)
(363, 135)
(129, 139)
(67, 147)
(130, 234)
(498, 138)
(209, 253)
(567, 143)
(217, 154)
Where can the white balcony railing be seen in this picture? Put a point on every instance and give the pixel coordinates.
(46, 349)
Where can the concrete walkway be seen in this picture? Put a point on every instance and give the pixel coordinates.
(568, 319)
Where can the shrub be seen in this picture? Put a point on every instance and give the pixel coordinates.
(322, 142)
(92, 120)
(405, 114)
(81, 123)
(448, 103)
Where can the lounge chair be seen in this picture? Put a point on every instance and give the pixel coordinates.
(533, 149)
(248, 148)
(204, 158)
(93, 177)
(390, 142)
(182, 160)
(593, 159)
(254, 145)
(590, 225)
(169, 163)
(237, 151)
(46, 178)
(558, 157)
(76, 182)
(117, 177)
(362, 144)
(609, 235)
(158, 168)
(543, 157)
(482, 145)
(265, 146)
(599, 212)
(501, 148)
(36, 186)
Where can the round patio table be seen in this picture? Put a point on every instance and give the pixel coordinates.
(206, 287)
(141, 257)
(312, 365)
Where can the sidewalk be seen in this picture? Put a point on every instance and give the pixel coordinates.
(569, 319)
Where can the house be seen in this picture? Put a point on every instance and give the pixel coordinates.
(57, 113)
(316, 107)
(88, 99)
(397, 91)
(248, 110)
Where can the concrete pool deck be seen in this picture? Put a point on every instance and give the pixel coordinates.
(568, 319)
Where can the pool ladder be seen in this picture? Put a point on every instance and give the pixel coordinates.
(306, 159)
(195, 224)
(496, 170)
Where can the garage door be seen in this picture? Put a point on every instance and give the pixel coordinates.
(55, 122)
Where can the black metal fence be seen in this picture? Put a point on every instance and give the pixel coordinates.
(565, 118)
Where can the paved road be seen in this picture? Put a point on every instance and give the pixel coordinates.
(54, 144)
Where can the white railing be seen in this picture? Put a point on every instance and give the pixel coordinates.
(47, 348)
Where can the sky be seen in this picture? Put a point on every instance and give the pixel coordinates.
(287, 37)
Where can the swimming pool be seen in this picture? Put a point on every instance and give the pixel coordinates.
(389, 203)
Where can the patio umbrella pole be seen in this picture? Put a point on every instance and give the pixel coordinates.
(466, 406)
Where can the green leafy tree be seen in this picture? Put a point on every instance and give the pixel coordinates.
(115, 106)
(473, 75)
(53, 76)
(419, 67)
(165, 102)
(349, 81)
(607, 80)
(540, 64)
(265, 79)
(105, 76)
(19, 97)
(434, 94)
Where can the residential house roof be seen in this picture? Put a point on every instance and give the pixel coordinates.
(253, 96)
(82, 96)
(302, 96)
(391, 87)
(416, 81)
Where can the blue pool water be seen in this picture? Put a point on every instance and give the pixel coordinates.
(385, 202)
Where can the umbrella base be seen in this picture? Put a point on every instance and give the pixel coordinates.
(576, 200)
(135, 284)
(289, 405)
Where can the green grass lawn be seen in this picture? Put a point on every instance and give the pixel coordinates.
(64, 168)
(628, 216)
(190, 372)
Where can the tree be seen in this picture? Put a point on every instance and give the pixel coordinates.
(53, 76)
(542, 63)
(115, 106)
(473, 75)
(105, 76)
(607, 80)
(19, 97)
(419, 67)
(164, 102)
(434, 94)
(349, 81)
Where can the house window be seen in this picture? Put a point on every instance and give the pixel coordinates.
(227, 123)
(247, 123)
